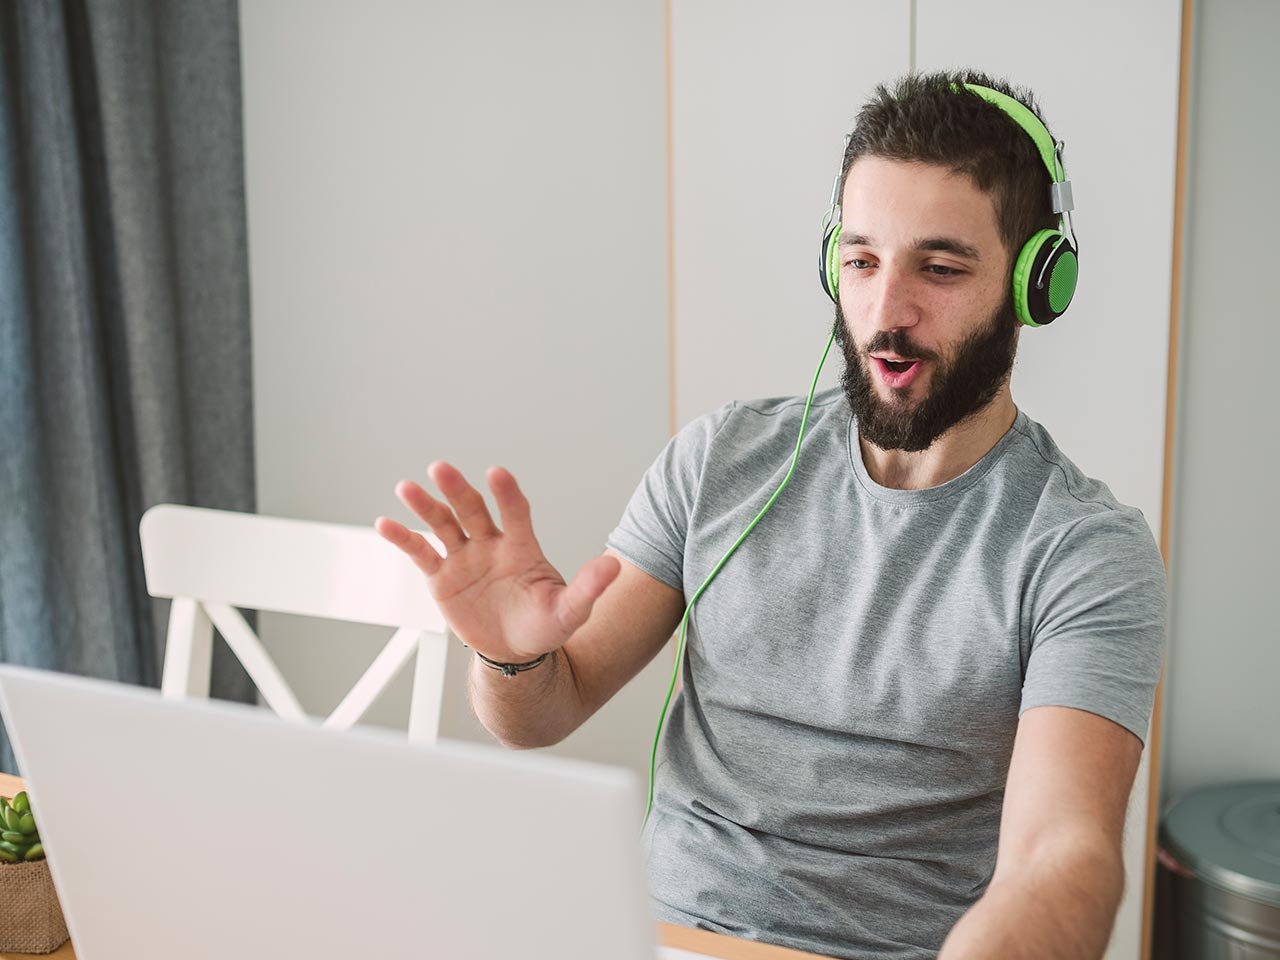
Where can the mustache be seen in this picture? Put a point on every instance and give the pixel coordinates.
(897, 341)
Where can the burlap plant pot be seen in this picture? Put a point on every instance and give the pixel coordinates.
(30, 916)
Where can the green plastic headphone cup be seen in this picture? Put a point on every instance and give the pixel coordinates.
(1062, 282)
(831, 255)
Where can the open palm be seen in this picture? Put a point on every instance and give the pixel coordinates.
(497, 590)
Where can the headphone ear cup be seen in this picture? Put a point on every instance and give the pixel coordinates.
(1048, 255)
(829, 263)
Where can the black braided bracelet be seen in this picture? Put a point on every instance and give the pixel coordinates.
(511, 669)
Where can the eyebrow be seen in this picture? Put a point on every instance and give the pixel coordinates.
(950, 245)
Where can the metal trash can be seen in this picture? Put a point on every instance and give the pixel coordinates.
(1218, 879)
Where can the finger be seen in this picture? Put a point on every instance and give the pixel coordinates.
(576, 600)
(436, 515)
(466, 500)
(414, 545)
(512, 504)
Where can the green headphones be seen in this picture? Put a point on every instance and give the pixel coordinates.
(1045, 270)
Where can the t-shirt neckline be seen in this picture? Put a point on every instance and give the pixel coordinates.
(929, 494)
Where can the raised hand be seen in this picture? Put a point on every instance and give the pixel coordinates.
(496, 589)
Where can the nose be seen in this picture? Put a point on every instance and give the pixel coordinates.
(894, 303)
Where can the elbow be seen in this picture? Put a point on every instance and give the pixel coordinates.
(521, 742)
(1093, 874)
(1099, 866)
(521, 737)
(1085, 870)
(1111, 878)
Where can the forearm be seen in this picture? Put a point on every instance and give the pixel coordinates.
(535, 708)
(1060, 907)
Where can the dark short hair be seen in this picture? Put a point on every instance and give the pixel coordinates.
(924, 118)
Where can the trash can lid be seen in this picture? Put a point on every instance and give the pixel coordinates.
(1229, 836)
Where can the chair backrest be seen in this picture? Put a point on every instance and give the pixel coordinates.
(210, 562)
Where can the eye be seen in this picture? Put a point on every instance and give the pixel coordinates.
(858, 264)
(939, 270)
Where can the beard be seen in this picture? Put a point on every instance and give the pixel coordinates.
(960, 386)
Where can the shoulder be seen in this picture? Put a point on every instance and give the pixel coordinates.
(1076, 530)
(1060, 497)
(1057, 475)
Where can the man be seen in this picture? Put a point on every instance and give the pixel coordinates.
(913, 698)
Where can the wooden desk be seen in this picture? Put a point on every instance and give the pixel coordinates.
(695, 941)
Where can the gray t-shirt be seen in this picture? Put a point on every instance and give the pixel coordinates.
(832, 771)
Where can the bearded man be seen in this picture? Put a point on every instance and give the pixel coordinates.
(914, 698)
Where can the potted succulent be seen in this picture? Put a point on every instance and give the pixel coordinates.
(31, 918)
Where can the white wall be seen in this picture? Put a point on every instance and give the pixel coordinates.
(1222, 711)
(457, 221)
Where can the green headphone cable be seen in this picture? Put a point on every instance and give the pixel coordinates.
(684, 621)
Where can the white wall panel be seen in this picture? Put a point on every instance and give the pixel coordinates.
(1106, 76)
(764, 94)
(458, 234)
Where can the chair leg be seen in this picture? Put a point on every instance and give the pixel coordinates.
(188, 651)
(428, 688)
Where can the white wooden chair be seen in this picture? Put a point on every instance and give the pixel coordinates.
(210, 562)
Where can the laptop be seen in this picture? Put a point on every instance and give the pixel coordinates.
(203, 829)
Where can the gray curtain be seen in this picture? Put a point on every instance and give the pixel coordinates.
(125, 376)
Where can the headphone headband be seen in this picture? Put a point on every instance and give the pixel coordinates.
(1028, 121)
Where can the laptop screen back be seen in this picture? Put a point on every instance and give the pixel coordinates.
(201, 829)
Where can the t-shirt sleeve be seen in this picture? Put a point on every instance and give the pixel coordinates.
(652, 531)
(1098, 622)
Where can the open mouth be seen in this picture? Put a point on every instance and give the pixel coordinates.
(896, 372)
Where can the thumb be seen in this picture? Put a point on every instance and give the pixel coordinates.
(574, 604)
